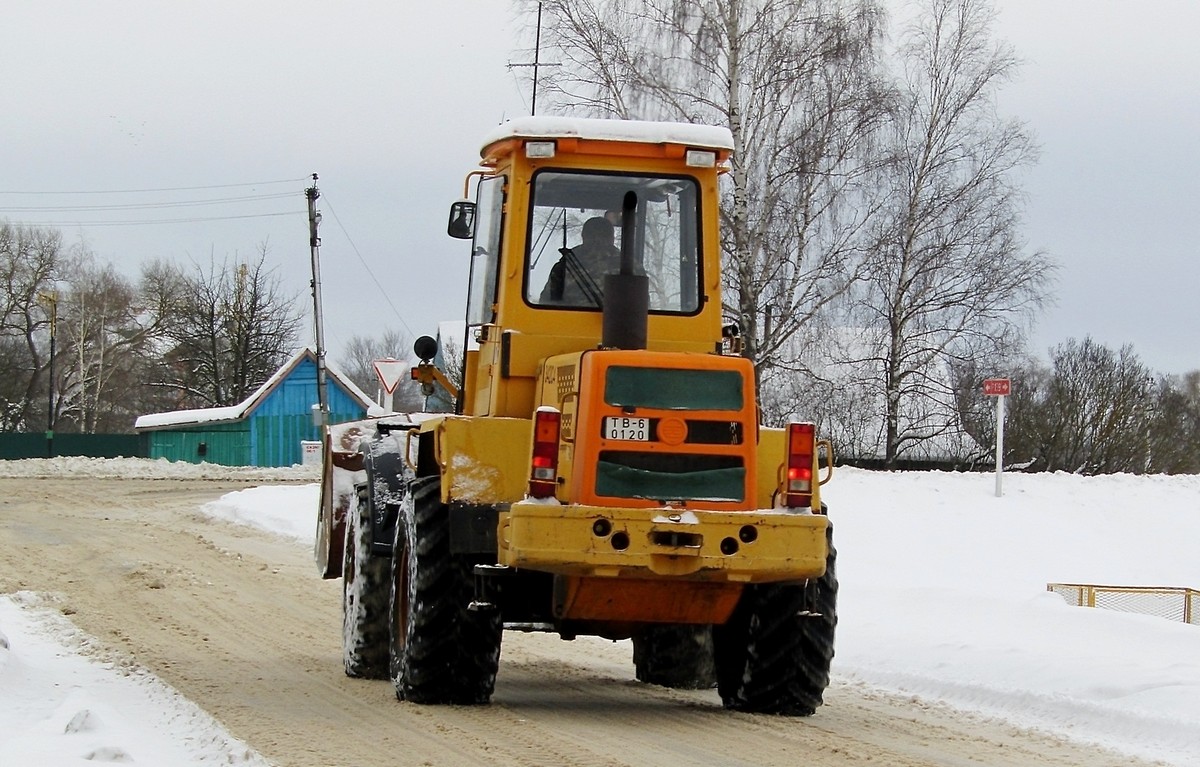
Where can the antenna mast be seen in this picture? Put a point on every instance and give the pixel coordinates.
(537, 53)
(537, 61)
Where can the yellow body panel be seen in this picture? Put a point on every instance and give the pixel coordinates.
(663, 543)
(482, 460)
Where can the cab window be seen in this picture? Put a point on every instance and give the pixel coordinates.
(575, 231)
(485, 252)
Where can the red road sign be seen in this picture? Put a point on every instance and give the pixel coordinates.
(997, 387)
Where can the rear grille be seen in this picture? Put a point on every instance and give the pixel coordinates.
(670, 476)
(714, 432)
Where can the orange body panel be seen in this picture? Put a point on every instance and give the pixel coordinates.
(622, 600)
(672, 431)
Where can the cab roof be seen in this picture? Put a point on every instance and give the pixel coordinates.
(687, 134)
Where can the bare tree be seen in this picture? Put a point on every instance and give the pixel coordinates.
(30, 262)
(1173, 438)
(1090, 413)
(949, 278)
(96, 330)
(795, 82)
(230, 329)
(357, 363)
(109, 329)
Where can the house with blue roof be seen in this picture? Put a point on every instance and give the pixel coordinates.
(269, 428)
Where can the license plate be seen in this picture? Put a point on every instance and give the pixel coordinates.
(629, 429)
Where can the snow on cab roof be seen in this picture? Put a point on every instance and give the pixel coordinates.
(704, 136)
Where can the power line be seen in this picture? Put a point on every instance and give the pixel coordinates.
(147, 205)
(157, 220)
(386, 297)
(163, 189)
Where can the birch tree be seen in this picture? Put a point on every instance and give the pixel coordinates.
(109, 329)
(949, 278)
(795, 81)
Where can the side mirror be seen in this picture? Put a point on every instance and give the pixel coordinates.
(462, 220)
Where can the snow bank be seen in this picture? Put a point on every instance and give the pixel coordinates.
(145, 468)
(943, 600)
(61, 706)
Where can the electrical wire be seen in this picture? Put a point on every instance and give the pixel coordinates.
(158, 220)
(146, 205)
(166, 189)
(150, 205)
(185, 204)
(361, 260)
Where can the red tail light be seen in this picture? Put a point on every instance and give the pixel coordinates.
(543, 467)
(798, 479)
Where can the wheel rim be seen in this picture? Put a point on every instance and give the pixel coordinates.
(400, 605)
(349, 561)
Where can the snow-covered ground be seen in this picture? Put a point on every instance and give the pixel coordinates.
(943, 599)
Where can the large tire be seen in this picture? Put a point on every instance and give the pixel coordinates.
(774, 654)
(680, 656)
(366, 589)
(441, 651)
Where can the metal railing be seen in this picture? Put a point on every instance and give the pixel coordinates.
(1170, 602)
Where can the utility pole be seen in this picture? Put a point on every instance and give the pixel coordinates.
(321, 417)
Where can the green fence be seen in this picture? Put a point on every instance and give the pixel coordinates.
(36, 445)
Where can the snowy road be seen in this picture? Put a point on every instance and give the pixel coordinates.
(236, 620)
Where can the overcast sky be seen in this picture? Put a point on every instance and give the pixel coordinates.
(387, 101)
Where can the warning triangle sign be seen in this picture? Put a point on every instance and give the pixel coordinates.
(390, 371)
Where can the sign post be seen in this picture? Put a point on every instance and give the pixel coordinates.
(999, 388)
(390, 371)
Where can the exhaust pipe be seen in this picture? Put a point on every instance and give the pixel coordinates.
(626, 295)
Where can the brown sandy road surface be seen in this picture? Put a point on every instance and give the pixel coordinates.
(237, 621)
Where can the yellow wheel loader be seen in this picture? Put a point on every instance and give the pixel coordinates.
(603, 471)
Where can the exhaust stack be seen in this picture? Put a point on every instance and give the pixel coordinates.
(626, 294)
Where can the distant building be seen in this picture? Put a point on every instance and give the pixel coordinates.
(267, 429)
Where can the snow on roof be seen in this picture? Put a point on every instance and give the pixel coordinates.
(708, 136)
(239, 411)
(200, 415)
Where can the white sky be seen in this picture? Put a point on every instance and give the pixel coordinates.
(388, 101)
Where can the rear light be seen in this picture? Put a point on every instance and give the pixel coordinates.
(539, 149)
(798, 476)
(543, 465)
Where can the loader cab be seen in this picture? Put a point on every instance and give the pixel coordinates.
(548, 225)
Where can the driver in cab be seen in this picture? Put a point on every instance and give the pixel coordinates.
(577, 279)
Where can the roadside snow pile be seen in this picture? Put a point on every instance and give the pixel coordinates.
(289, 511)
(63, 707)
(146, 468)
(943, 597)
